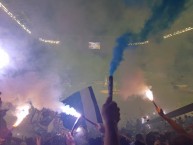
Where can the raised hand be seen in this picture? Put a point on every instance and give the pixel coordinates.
(100, 127)
(160, 112)
(38, 140)
(70, 139)
(110, 112)
(111, 116)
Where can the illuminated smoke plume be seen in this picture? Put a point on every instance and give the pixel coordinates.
(164, 13)
(42, 92)
(132, 85)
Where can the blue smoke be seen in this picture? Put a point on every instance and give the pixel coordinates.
(122, 44)
(163, 15)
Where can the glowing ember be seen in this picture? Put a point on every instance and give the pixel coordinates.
(70, 111)
(21, 113)
(4, 58)
(149, 94)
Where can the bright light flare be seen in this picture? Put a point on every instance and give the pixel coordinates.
(80, 132)
(4, 58)
(149, 94)
(142, 120)
(79, 129)
(70, 111)
(21, 113)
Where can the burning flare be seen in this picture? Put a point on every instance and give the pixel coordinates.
(70, 111)
(149, 94)
(21, 113)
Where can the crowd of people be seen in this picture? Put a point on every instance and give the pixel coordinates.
(144, 126)
(180, 134)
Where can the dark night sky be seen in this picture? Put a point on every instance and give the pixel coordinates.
(42, 70)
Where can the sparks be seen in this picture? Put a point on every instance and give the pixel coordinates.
(21, 113)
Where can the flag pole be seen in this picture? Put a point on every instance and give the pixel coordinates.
(91, 122)
(74, 126)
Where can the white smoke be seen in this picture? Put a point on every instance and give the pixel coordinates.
(41, 92)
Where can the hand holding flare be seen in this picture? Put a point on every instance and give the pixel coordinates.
(178, 128)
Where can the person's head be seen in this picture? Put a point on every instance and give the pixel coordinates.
(139, 137)
(152, 137)
(181, 140)
(45, 113)
(58, 140)
(96, 141)
(30, 141)
(124, 140)
(3, 112)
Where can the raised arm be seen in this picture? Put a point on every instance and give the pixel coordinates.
(70, 139)
(178, 128)
(111, 116)
(38, 140)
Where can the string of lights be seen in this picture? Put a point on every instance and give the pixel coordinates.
(139, 43)
(11, 15)
(178, 32)
(49, 41)
(14, 18)
(58, 42)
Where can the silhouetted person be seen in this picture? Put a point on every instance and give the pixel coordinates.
(5, 134)
(182, 140)
(139, 139)
(153, 138)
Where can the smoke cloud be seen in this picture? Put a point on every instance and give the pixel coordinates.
(132, 84)
(28, 78)
(41, 92)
